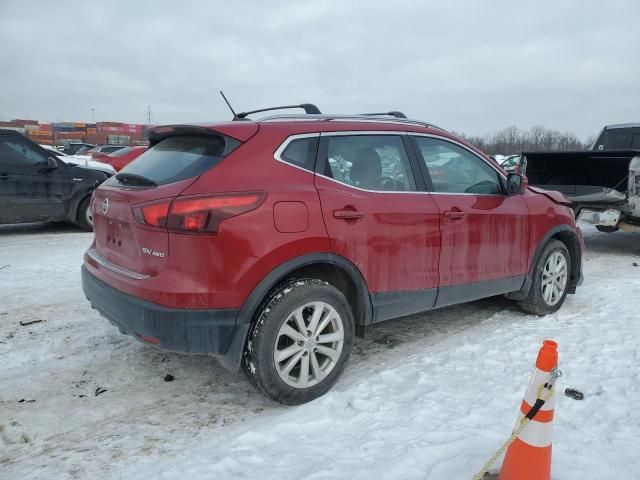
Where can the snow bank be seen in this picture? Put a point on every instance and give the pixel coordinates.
(427, 397)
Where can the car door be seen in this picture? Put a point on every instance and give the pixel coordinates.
(484, 232)
(378, 218)
(32, 187)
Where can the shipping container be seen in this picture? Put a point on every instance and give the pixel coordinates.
(21, 123)
(118, 139)
(96, 138)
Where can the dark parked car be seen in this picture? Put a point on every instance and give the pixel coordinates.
(37, 186)
(271, 243)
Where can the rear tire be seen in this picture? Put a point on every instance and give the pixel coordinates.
(550, 280)
(84, 218)
(602, 228)
(300, 343)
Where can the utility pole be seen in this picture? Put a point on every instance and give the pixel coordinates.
(93, 115)
(149, 118)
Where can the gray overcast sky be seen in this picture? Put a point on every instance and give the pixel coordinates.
(472, 66)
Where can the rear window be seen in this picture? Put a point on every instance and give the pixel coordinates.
(618, 139)
(122, 152)
(178, 158)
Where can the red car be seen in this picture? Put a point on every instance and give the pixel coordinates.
(270, 244)
(120, 158)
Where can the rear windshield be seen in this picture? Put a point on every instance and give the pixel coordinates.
(177, 158)
(122, 152)
(619, 139)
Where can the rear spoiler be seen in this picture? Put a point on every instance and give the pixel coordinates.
(157, 134)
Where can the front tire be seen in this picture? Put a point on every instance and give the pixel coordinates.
(85, 215)
(301, 342)
(550, 280)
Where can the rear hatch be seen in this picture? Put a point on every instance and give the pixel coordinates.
(130, 209)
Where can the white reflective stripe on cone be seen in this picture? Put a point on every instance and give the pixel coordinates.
(536, 434)
(539, 378)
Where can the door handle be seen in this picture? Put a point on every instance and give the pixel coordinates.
(454, 214)
(4, 176)
(347, 214)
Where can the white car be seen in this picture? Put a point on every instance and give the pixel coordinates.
(84, 161)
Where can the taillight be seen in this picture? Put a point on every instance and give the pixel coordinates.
(204, 214)
(198, 214)
(153, 214)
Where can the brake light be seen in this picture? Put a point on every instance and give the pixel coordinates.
(197, 214)
(204, 214)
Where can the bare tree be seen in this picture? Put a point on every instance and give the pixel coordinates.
(512, 140)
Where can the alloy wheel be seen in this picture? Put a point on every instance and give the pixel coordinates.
(308, 345)
(554, 278)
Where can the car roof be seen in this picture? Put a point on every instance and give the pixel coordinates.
(300, 124)
(287, 125)
(623, 125)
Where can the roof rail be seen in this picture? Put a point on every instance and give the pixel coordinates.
(393, 113)
(309, 108)
(356, 118)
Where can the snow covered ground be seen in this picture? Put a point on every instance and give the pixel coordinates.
(426, 397)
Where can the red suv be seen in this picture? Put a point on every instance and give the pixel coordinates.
(270, 244)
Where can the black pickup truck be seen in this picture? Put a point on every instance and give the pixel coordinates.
(603, 183)
(38, 186)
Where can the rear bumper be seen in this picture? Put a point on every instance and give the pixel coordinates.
(173, 329)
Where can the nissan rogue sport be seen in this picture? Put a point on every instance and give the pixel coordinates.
(270, 244)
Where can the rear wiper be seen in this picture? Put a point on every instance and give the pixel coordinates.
(135, 179)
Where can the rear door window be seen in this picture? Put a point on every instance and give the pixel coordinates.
(370, 162)
(178, 158)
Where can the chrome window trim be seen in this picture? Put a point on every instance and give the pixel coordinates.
(371, 191)
(340, 133)
(96, 257)
(290, 138)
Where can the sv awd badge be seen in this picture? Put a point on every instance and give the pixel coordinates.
(153, 253)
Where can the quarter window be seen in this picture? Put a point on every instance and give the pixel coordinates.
(301, 152)
(371, 162)
(454, 169)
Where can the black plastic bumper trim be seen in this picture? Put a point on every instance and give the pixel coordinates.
(179, 330)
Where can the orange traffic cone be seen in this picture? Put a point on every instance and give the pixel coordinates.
(529, 456)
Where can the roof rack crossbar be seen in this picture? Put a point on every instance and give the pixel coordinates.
(309, 108)
(393, 113)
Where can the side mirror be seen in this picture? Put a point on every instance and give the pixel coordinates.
(516, 184)
(52, 163)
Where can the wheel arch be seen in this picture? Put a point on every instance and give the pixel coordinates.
(332, 268)
(567, 235)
